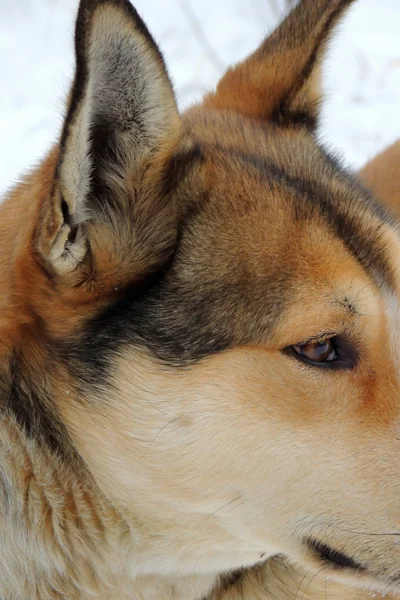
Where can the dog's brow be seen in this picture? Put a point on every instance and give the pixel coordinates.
(356, 219)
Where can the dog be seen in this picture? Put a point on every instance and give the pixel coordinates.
(199, 359)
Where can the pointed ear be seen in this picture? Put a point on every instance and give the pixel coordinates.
(122, 115)
(281, 80)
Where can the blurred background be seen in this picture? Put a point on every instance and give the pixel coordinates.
(199, 38)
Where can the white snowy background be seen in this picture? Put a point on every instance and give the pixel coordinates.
(199, 39)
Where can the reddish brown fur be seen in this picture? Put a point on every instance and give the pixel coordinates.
(382, 176)
(276, 65)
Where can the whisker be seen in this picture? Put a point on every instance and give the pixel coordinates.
(159, 432)
(156, 408)
(352, 281)
(366, 298)
(300, 584)
(219, 509)
(361, 291)
(390, 534)
(310, 582)
(240, 504)
(362, 314)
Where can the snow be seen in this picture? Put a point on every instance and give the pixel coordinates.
(361, 75)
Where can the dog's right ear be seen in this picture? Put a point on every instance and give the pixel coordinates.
(106, 222)
(280, 81)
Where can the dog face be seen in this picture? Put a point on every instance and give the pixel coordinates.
(203, 307)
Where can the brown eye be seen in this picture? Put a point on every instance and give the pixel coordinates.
(335, 352)
(320, 351)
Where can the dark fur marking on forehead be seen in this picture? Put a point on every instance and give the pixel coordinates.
(346, 218)
(172, 326)
(179, 321)
(179, 166)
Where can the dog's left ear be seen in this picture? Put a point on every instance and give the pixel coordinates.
(281, 80)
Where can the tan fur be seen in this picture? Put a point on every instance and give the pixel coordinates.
(382, 176)
(185, 453)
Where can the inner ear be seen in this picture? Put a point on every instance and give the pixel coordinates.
(122, 104)
(122, 116)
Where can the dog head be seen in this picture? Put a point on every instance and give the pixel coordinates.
(206, 306)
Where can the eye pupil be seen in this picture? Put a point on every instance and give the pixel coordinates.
(320, 351)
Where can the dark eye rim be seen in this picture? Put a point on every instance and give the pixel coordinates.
(333, 558)
(347, 353)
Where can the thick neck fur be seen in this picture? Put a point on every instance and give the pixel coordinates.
(59, 538)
